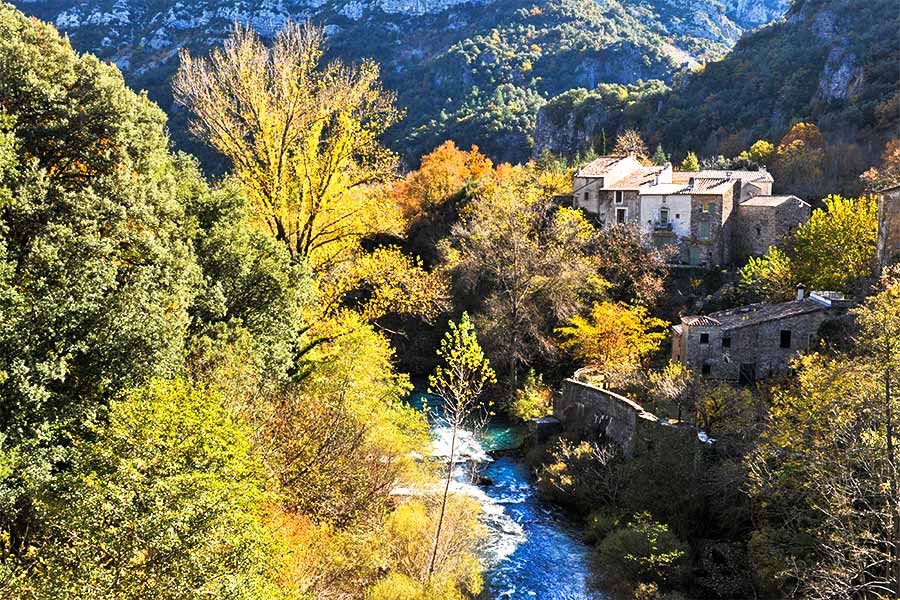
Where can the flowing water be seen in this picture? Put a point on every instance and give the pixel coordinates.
(534, 550)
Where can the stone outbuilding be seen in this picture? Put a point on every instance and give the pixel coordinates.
(766, 221)
(888, 228)
(756, 341)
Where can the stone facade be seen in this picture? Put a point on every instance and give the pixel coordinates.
(756, 341)
(888, 228)
(766, 221)
(697, 212)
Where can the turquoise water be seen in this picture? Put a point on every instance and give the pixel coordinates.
(535, 551)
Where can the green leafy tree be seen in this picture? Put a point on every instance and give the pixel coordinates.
(690, 162)
(836, 246)
(770, 277)
(659, 157)
(459, 381)
(533, 400)
(167, 500)
(614, 340)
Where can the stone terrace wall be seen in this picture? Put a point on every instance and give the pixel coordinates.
(595, 414)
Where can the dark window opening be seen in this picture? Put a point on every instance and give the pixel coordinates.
(758, 231)
(726, 342)
(704, 338)
(747, 373)
(705, 369)
(785, 338)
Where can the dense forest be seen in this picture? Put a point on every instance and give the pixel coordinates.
(206, 382)
(473, 72)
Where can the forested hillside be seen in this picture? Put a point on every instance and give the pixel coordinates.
(832, 63)
(475, 72)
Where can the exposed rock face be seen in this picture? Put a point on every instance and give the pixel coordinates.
(486, 65)
(840, 75)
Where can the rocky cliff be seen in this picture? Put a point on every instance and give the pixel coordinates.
(835, 63)
(474, 71)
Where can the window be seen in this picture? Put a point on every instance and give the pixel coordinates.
(587, 196)
(703, 232)
(706, 206)
(621, 215)
(664, 216)
(705, 369)
(704, 338)
(677, 216)
(785, 338)
(758, 231)
(620, 197)
(726, 342)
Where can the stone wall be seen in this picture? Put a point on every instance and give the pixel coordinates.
(594, 414)
(762, 226)
(888, 228)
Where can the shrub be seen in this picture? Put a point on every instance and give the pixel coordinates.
(644, 551)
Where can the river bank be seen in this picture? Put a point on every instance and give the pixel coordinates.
(534, 549)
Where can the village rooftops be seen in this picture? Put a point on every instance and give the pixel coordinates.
(599, 167)
(772, 201)
(636, 179)
(748, 176)
(754, 314)
(695, 186)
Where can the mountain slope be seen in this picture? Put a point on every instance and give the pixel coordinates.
(835, 63)
(476, 72)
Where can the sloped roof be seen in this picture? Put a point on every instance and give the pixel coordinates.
(754, 314)
(771, 201)
(748, 176)
(708, 185)
(636, 179)
(699, 321)
(599, 166)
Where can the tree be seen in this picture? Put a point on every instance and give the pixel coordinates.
(800, 159)
(300, 136)
(833, 250)
(533, 400)
(527, 258)
(629, 143)
(770, 277)
(303, 140)
(888, 174)
(614, 340)
(836, 246)
(690, 162)
(762, 152)
(633, 268)
(443, 172)
(879, 321)
(674, 385)
(459, 381)
(96, 268)
(167, 498)
(659, 156)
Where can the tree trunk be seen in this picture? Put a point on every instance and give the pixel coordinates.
(437, 534)
(894, 570)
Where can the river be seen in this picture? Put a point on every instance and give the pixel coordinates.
(534, 550)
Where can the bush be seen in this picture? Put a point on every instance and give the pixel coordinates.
(533, 400)
(644, 551)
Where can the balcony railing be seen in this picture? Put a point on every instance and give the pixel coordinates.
(660, 226)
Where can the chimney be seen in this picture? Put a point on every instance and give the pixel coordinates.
(801, 291)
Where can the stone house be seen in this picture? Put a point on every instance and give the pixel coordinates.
(888, 228)
(696, 216)
(756, 341)
(610, 187)
(766, 221)
(699, 212)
